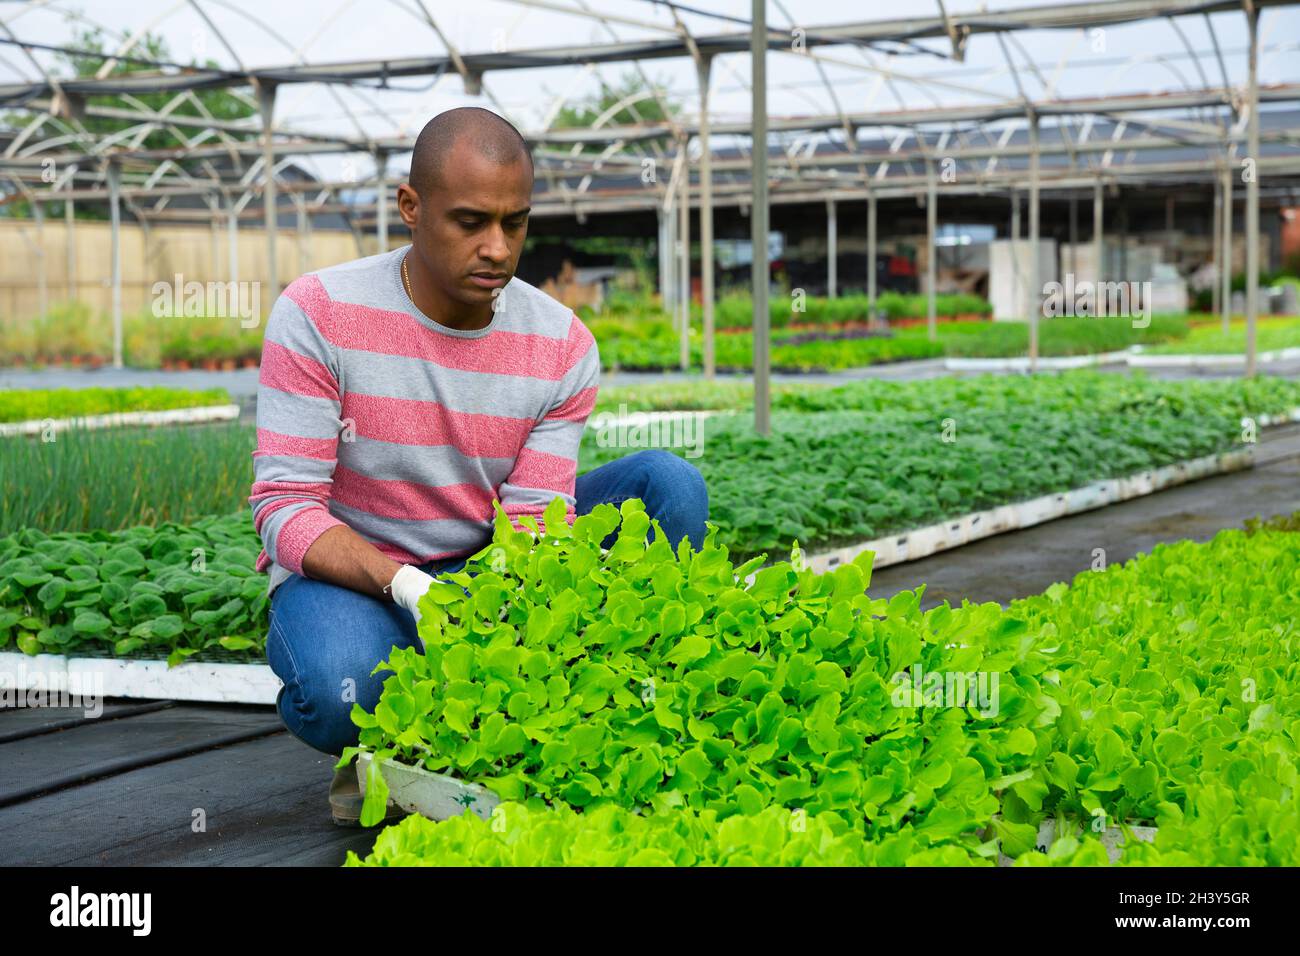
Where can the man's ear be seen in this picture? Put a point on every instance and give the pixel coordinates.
(408, 205)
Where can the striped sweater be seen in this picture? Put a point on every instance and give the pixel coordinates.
(373, 415)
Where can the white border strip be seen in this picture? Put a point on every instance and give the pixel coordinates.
(923, 542)
(205, 413)
(1142, 360)
(1020, 363)
(125, 677)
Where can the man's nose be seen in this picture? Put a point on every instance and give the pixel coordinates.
(495, 248)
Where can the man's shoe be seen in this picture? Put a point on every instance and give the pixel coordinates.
(346, 799)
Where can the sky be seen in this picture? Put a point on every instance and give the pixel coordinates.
(1056, 63)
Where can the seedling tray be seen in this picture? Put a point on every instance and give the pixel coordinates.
(433, 795)
(1113, 839)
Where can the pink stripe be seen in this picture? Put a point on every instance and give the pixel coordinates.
(410, 500)
(310, 295)
(287, 371)
(349, 325)
(539, 469)
(407, 421)
(579, 342)
(273, 443)
(576, 408)
(315, 490)
(271, 508)
(263, 561)
(299, 533)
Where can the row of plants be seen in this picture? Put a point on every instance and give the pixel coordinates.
(612, 836)
(652, 345)
(1080, 388)
(651, 679)
(38, 404)
(868, 459)
(1271, 334)
(868, 468)
(1179, 703)
(640, 706)
(166, 592)
(737, 311)
(109, 479)
(74, 334)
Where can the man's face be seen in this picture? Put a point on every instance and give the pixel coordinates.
(470, 231)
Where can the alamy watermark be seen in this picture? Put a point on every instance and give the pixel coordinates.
(24, 688)
(625, 429)
(921, 688)
(224, 300)
(1097, 299)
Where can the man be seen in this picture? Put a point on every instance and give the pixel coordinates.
(400, 394)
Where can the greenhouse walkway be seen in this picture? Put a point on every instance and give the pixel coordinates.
(151, 783)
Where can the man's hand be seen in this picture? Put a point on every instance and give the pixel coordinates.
(408, 586)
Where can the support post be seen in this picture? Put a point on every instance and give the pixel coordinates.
(69, 227)
(1216, 240)
(871, 254)
(214, 238)
(684, 261)
(931, 266)
(42, 287)
(1225, 276)
(1098, 246)
(1252, 191)
(381, 197)
(667, 290)
(703, 68)
(1035, 282)
(832, 250)
(1074, 236)
(266, 103)
(115, 255)
(304, 235)
(758, 219)
(232, 235)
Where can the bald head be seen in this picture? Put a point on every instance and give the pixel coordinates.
(491, 136)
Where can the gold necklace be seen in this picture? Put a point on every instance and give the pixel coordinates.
(406, 282)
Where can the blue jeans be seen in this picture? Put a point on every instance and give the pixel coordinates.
(324, 640)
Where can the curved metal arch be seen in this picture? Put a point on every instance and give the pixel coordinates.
(49, 77)
(275, 35)
(131, 41)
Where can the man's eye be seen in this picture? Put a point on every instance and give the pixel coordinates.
(469, 223)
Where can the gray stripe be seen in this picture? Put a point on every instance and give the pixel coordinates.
(293, 468)
(270, 532)
(300, 415)
(481, 393)
(290, 327)
(556, 437)
(417, 537)
(540, 497)
(425, 464)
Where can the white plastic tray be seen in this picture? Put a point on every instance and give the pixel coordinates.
(171, 416)
(433, 795)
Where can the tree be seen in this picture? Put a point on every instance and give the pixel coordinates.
(644, 107)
